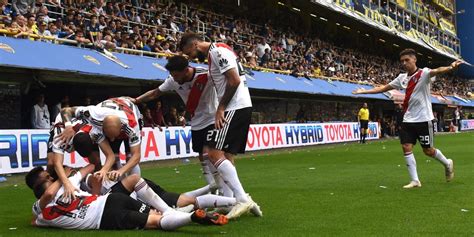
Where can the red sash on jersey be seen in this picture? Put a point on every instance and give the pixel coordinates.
(410, 88)
(196, 93)
(128, 111)
(53, 212)
(86, 128)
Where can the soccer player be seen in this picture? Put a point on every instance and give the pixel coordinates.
(197, 198)
(199, 95)
(83, 142)
(233, 115)
(418, 115)
(113, 211)
(117, 120)
(363, 118)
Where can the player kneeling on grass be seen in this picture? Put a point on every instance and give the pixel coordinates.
(418, 115)
(112, 211)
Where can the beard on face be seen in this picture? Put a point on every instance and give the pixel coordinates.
(200, 56)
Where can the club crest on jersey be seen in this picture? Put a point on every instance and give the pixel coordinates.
(223, 62)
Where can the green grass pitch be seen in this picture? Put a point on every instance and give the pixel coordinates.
(333, 190)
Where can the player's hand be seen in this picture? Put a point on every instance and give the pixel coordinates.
(358, 91)
(100, 174)
(220, 119)
(66, 136)
(68, 195)
(114, 175)
(456, 63)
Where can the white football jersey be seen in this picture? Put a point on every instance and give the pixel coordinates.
(417, 102)
(85, 212)
(128, 113)
(57, 129)
(205, 111)
(221, 58)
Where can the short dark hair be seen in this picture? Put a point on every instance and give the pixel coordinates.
(83, 144)
(408, 51)
(188, 38)
(32, 177)
(177, 63)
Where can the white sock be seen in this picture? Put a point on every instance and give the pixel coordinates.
(441, 158)
(224, 189)
(230, 177)
(206, 171)
(147, 195)
(174, 220)
(210, 200)
(411, 165)
(198, 192)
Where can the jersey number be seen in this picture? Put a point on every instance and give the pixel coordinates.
(425, 140)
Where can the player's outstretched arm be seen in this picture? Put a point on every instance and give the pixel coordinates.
(49, 194)
(442, 70)
(67, 114)
(147, 96)
(376, 90)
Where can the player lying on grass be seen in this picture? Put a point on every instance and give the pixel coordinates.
(112, 211)
(198, 198)
(418, 114)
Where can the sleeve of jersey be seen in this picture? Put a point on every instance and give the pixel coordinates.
(426, 75)
(36, 209)
(396, 83)
(79, 111)
(224, 59)
(167, 85)
(134, 138)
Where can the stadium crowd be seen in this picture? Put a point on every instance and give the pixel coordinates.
(127, 24)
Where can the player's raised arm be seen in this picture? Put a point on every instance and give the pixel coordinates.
(442, 70)
(376, 90)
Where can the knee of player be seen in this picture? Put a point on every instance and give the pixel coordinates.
(429, 151)
(153, 221)
(184, 200)
(134, 178)
(407, 147)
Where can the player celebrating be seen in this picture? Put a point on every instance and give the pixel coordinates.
(363, 118)
(116, 119)
(233, 115)
(113, 211)
(418, 115)
(191, 84)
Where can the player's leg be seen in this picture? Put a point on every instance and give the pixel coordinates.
(175, 219)
(206, 201)
(408, 138)
(144, 192)
(362, 131)
(198, 140)
(427, 141)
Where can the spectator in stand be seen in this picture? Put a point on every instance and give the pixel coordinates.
(43, 32)
(261, 47)
(40, 118)
(61, 104)
(22, 7)
(172, 118)
(148, 119)
(158, 115)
